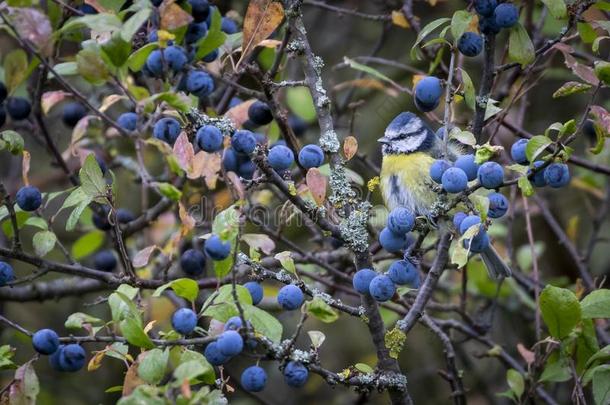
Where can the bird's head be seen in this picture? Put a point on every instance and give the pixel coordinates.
(407, 133)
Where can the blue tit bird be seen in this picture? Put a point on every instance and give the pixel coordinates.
(409, 148)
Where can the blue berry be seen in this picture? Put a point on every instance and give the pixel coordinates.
(184, 321)
(557, 175)
(167, 129)
(100, 220)
(280, 157)
(253, 379)
(28, 198)
(105, 261)
(153, 36)
(230, 160)
(175, 57)
(54, 359)
(290, 297)
(382, 288)
(437, 169)
(454, 180)
(87, 9)
(199, 83)
(458, 218)
(209, 138)
(538, 179)
(487, 25)
(470, 44)
(213, 355)
(243, 142)
(260, 113)
(45, 341)
(485, 7)
(72, 358)
(154, 63)
(468, 165)
(7, 274)
(233, 323)
(200, 10)
(295, 374)
(402, 272)
(124, 216)
(228, 26)
(230, 343)
(216, 248)
(428, 92)
(128, 121)
(246, 169)
(18, 108)
(255, 290)
(506, 15)
(311, 156)
(195, 31)
(477, 244)
(72, 113)
(469, 222)
(491, 175)
(517, 152)
(498, 205)
(401, 221)
(211, 57)
(192, 262)
(362, 280)
(391, 241)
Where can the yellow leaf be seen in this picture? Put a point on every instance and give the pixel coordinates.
(398, 18)
(262, 18)
(173, 16)
(350, 147)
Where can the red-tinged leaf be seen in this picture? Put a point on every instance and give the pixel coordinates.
(142, 258)
(527, 355)
(316, 182)
(206, 165)
(350, 147)
(260, 242)
(132, 380)
(34, 26)
(25, 167)
(110, 100)
(51, 98)
(239, 113)
(262, 18)
(25, 387)
(188, 222)
(585, 72)
(601, 117)
(184, 152)
(185, 389)
(173, 16)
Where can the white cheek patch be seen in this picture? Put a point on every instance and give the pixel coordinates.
(413, 126)
(408, 144)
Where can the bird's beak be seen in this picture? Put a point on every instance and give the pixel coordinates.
(383, 140)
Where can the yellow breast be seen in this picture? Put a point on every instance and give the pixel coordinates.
(406, 182)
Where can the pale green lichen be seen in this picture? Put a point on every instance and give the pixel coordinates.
(342, 192)
(354, 228)
(198, 119)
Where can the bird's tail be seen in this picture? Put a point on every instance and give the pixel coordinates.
(496, 267)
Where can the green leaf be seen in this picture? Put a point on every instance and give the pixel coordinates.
(536, 146)
(190, 370)
(44, 241)
(91, 66)
(131, 329)
(569, 88)
(143, 394)
(459, 23)
(321, 310)
(520, 47)
(15, 69)
(556, 370)
(525, 186)
(557, 8)
(597, 42)
(220, 305)
(364, 368)
(300, 103)
(560, 310)
(37, 222)
(183, 287)
(169, 191)
(77, 319)
(602, 355)
(207, 375)
(601, 385)
(133, 24)
(116, 50)
(481, 204)
(101, 22)
(602, 71)
(485, 152)
(285, 259)
(427, 30)
(6, 354)
(179, 101)
(91, 177)
(12, 141)
(586, 345)
(469, 93)
(121, 303)
(76, 214)
(25, 387)
(366, 69)
(515, 382)
(394, 341)
(152, 365)
(214, 38)
(263, 322)
(596, 304)
(137, 59)
(64, 69)
(465, 137)
(87, 244)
